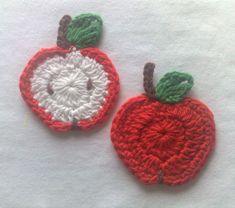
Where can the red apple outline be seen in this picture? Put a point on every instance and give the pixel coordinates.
(40, 57)
(131, 144)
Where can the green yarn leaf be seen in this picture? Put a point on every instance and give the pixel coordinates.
(173, 87)
(84, 30)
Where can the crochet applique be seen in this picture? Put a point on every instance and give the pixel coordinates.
(163, 136)
(73, 84)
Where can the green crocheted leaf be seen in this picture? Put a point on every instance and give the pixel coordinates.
(84, 30)
(173, 87)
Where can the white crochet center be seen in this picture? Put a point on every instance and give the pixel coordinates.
(71, 88)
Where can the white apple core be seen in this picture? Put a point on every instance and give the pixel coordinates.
(71, 88)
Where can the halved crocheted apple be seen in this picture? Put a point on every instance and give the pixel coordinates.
(162, 136)
(72, 84)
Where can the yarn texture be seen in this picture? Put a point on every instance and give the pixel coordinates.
(173, 87)
(62, 32)
(168, 140)
(67, 86)
(84, 30)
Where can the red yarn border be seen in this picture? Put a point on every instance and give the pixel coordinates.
(149, 168)
(39, 58)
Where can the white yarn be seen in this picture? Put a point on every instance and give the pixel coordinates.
(60, 86)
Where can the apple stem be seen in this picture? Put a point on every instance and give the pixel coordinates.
(148, 80)
(62, 31)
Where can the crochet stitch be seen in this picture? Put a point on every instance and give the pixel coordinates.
(62, 31)
(67, 86)
(84, 30)
(164, 138)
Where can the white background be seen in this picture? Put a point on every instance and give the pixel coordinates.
(42, 169)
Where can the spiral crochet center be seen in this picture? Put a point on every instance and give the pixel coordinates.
(162, 133)
(71, 87)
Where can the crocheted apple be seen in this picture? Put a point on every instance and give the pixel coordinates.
(73, 84)
(161, 136)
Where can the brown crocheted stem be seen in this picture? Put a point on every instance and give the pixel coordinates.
(148, 80)
(61, 38)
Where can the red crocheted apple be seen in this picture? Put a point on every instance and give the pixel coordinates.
(73, 84)
(162, 136)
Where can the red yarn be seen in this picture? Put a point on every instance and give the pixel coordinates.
(113, 87)
(39, 58)
(166, 143)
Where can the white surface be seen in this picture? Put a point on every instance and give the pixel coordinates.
(41, 169)
(68, 77)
